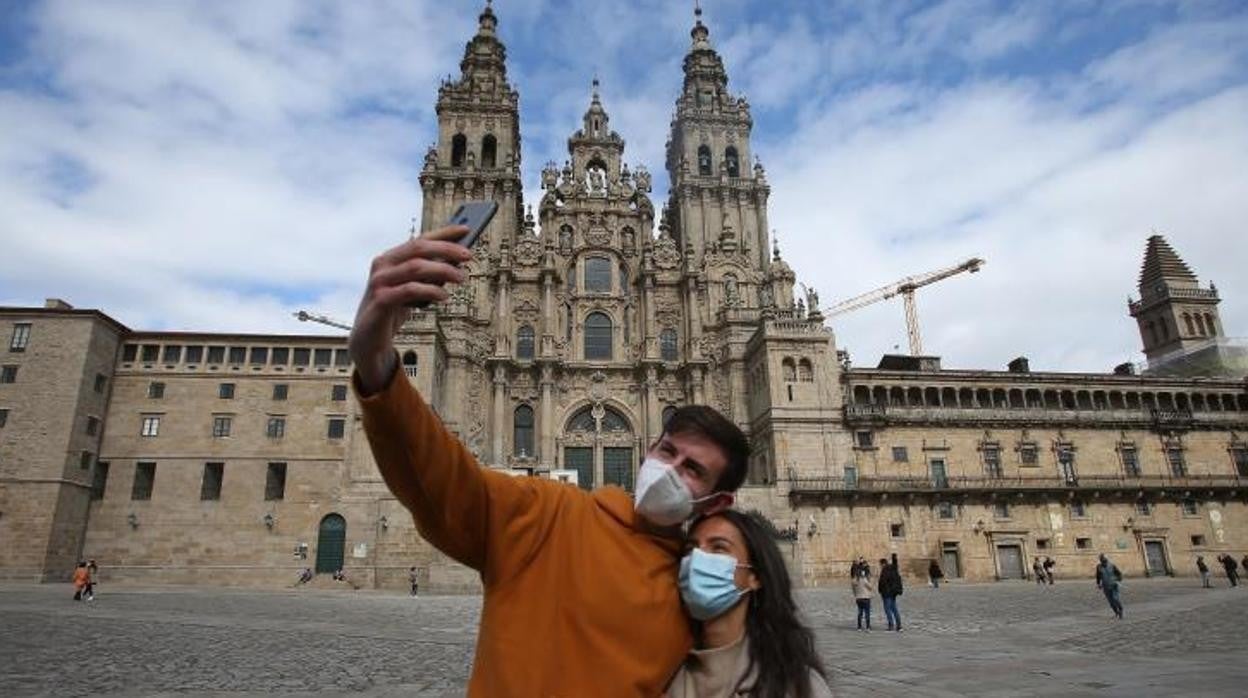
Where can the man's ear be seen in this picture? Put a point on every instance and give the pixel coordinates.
(722, 501)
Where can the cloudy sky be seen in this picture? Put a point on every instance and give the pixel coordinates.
(217, 165)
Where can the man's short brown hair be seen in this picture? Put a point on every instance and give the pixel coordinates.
(708, 422)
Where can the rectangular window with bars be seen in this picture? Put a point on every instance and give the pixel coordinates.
(8, 374)
(93, 425)
(129, 352)
(617, 467)
(337, 427)
(1028, 454)
(900, 454)
(580, 459)
(1078, 510)
(225, 391)
(210, 485)
(1174, 457)
(259, 356)
(275, 482)
(945, 511)
(338, 393)
(302, 356)
(280, 391)
(155, 390)
(1190, 507)
(238, 355)
(1130, 460)
(276, 427)
(322, 357)
(144, 479)
(4, 416)
(1001, 510)
(1239, 456)
(151, 425)
(598, 275)
(992, 461)
(216, 355)
(281, 356)
(100, 481)
(151, 352)
(194, 354)
(21, 337)
(221, 427)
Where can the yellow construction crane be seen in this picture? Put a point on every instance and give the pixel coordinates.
(906, 288)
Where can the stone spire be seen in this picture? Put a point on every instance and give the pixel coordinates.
(1163, 267)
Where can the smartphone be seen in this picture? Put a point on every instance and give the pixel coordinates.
(476, 215)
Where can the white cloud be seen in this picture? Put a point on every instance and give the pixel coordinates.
(215, 166)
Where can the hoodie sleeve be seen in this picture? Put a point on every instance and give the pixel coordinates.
(485, 519)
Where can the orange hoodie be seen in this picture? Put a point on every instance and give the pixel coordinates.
(578, 600)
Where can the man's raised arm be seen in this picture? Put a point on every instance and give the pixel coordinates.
(458, 506)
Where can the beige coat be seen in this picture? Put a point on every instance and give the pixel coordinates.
(713, 673)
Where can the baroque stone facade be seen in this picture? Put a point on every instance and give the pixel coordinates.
(181, 457)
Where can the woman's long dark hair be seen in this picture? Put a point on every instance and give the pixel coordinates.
(782, 648)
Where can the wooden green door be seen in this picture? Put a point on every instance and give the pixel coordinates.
(331, 543)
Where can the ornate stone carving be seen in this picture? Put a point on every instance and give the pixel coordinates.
(666, 256)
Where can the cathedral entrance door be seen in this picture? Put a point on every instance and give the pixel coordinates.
(598, 443)
(330, 543)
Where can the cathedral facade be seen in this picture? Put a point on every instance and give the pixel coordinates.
(226, 458)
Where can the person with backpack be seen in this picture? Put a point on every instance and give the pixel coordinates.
(1232, 569)
(1109, 581)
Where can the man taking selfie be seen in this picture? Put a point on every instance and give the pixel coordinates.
(581, 594)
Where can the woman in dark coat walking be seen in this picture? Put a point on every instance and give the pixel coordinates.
(890, 588)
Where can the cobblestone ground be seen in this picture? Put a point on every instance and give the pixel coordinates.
(988, 639)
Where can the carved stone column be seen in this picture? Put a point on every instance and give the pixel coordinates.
(650, 407)
(546, 452)
(500, 412)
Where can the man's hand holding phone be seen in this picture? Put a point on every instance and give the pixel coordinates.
(411, 273)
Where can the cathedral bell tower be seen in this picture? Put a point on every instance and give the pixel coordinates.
(477, 155)
(714, 187)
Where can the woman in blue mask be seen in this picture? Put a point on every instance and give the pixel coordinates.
(748, 639)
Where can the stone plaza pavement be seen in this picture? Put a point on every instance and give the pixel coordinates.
(976, 639)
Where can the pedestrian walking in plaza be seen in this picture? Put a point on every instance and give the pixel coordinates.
(861, 587)
(1204, 572)
(748, 638)
(81, 577)
(1037, 568)
(1246, 563)
(1231, 567)
(935, 574)
(93, 571)
(1109, 581)
(1048, 568)
(413, 579)
(890, 588)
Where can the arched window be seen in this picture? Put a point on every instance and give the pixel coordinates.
(790, 370)
(522, 440)
(489, 150)
(409, 362)
(598, 337)
(1188, 320)
(598, 274)
(805, 373)
(704, 160)
(524, 342)
(667, 344)
(459, 148)
(732, 162)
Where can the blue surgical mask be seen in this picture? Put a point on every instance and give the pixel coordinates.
(707, 583)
